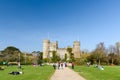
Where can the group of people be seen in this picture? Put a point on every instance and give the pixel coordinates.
(60, 65)
(100, 67)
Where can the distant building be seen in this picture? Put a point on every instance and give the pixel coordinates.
(49, 47)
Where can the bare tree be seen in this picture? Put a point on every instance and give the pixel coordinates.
(118, 48)
(100, 52)
(111, 53)
(118, 51)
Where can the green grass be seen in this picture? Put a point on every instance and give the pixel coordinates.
(91, 73)
(30, 73)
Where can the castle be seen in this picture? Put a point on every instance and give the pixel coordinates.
(49, 47)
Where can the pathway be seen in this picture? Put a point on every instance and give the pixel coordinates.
(66, 74)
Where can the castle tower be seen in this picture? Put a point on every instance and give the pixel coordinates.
(53, 46)
(46, 45)
(76, 49)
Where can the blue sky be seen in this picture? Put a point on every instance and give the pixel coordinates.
(26, 23)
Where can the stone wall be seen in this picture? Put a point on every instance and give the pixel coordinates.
(48, 47)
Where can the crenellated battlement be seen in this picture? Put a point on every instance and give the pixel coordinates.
(49, 46)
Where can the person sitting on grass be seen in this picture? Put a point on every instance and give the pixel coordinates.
(1, 68)
(100, 67)
(16, 72)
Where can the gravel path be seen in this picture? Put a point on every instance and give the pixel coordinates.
(66, 74)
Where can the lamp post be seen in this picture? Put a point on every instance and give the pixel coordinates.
(19, 56)
(25, 58)
(19, 66)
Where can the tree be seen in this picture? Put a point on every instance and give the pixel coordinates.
(65, 57)
(118, 52)
(83, 59)
(40, 58)
(111, 55)
(99, 54)
(118, 48)
(71, 54)
(58, 58)
(46, 59)
(28, 58)
(36, 55)
(41, 55)
(54, 56)
(12, 53)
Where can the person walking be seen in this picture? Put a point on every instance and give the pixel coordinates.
(54, 65)
(73, 65)
(65, 64)
(58, 65)
(19, 66)
(61, 65)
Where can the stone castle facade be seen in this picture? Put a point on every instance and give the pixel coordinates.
(49, 47)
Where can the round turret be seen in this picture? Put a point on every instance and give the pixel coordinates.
(46, 41)
(46, 44)
(76, 49)
(76, 43)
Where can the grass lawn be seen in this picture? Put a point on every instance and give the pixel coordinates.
(30, 73)
(91, 73)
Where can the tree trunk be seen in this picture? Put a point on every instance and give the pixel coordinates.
(112, 61)
(99, 61)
